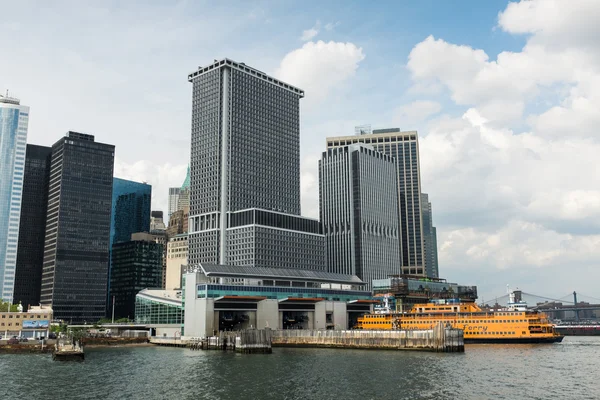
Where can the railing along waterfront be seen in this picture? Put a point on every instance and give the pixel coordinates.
(440, 338)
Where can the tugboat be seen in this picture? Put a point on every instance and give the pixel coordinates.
(68, 350)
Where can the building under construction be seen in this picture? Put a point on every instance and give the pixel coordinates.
(403, 291)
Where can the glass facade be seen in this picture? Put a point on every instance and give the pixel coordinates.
(404, 148)
(136, 265)
(14, 120)
(130, 212)
(358, 206)
(150, 310)
(30, 255)
(76, 251)
(275, 292)
(429, 238)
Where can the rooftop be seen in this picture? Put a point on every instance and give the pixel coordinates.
(279, 273)
(170, 296)
(226, 62)
(9, 100)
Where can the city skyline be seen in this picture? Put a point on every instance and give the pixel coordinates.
(515, 197)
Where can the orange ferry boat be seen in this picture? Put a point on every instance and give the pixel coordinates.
(515, 324)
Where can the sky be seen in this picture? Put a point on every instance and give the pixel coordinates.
(504, 95)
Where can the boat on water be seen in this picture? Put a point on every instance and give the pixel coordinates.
(67, 350)
(514, 324)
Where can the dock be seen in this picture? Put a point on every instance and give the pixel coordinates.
(439, 339)
(249, 341)
(68, 351)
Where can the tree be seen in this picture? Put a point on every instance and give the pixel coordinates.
(4, 307)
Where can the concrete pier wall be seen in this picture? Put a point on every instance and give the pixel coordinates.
(439, 339)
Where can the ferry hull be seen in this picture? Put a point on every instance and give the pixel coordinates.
(529, 340)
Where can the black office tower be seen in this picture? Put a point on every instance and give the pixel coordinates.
(136, 265)
(75, 273)
(32, 226)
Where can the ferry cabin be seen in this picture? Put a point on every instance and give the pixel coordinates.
(478, 325)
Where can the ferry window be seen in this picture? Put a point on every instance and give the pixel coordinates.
(523, 332)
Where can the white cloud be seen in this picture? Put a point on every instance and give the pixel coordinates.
(160, 176)
(554, 23)
(309, 34)
(318, 67)
(416, 111)
(331, 25)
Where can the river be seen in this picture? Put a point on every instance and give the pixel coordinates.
(570, 370)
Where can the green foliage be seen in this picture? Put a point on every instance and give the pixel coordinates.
(4, 307)
(122, 320)
(58, 329)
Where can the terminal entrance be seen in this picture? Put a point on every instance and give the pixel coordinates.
(235, 320)
(295, 320)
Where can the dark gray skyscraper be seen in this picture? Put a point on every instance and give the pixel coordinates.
(359, 212)
(246, 156)
(429, 238)
(30, 254)
(404, 148)
(75, 274)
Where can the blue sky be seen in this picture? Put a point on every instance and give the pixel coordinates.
(504, 97)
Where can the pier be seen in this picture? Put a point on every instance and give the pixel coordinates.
(438, 339)
(248, 341)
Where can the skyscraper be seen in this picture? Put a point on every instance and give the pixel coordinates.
(30, 255)
(130, 209)
(404, 148)
(359, 212)
(75, 274)
(14, 119)
(130, 213)
(137, 265)
(173, 200)
(429, 238)
(183, 202)
(245, 170)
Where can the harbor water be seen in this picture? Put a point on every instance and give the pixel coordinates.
(568, 370)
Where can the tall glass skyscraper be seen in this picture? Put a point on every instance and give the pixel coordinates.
(14, 119)
(75, 274)
(30, 255)
(429, 238)
(245, 156)
(130, 213)
(130, 209)
(359, 212)
(404, 148)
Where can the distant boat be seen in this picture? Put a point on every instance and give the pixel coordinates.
(66, 350)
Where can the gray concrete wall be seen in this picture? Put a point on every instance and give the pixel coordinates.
(268, 315)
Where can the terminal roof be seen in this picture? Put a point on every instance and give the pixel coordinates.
(279, 273)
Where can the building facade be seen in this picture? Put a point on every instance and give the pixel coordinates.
(429, 238)
(178, 224)
(271, 239)
(173, 200)
(160, 237)
(359, 212)
(34, 204)
(245, 154)
(156, 221)
(177, 258)
(77, 239)
(130, 214)
(130, 209)
(14, 120)
(33, 323)
(137, 265)
(404, 148)
(224, 297)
